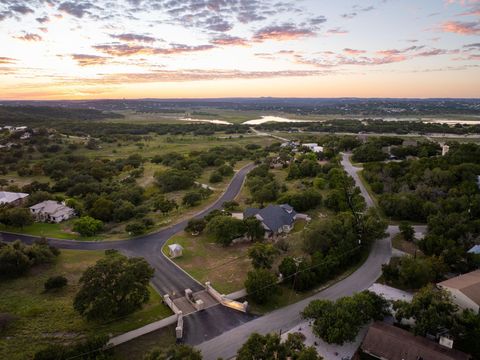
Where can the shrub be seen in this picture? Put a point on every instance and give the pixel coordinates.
(55, 282)
(87, 226)
(136, 228)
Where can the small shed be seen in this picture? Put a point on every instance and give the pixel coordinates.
(175, 250)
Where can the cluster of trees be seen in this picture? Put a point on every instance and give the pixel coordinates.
(443, 191)
(15, 217)
(262, 185)
(270, 346)
(115, 286)
(414, 272)
(433, 312)
(224, 228)
(17, 258)
(340, 321)
(93, 348)
(375, 126)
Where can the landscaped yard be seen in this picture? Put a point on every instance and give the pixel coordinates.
(45, 318)
(398, 242)
(225, 267)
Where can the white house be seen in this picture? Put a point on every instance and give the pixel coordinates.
(445, 149)
(12, 198)
(314, 147)
(175, 250)
(464, 289)
(52, 211)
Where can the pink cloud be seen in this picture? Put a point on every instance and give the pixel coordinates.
(460, 27)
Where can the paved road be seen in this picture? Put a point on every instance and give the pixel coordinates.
(284, 319)
(353, 172)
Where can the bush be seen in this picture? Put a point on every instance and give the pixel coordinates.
(192, 198)
(261, 285)
(55, 282)
(216, 177)
(5, 321)
(196, 226)
(136, 228)
(87, 226)
(90, 349)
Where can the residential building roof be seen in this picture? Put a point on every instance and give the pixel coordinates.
(52, 208)
(474, 250)
(7, 197)
(273, 216)
(468, 284)
(390, 342)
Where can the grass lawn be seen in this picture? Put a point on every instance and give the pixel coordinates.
(225, 267)
(45, 318)
(59, 231)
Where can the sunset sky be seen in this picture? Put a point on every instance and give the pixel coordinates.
(54, 49)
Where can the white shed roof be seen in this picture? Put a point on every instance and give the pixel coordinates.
(175, 247)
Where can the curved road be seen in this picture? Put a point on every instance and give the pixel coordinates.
(284, 319)
(168, 278)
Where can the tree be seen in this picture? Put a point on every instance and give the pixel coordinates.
(339, 322)
(230, 205)
(216, 177)
(432, 310)
(407, 231)
(17, 217)
(196, 226)
(192, 198)
(102, 209)
(55, 282)
(164, 205)
(262, 255)
(175, 352)
(87, 226)
(135, 228)
(270, 346)
(467, 332)
(224, 229)
(174, 179)
(93, 348)
(261, 285)
(114, 286)
(13, 260)
(254, 228)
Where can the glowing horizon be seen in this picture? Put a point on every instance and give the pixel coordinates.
(58, 50)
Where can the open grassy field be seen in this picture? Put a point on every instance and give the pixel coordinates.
(45, 318)
(225, 267)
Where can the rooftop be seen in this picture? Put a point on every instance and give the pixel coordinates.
(392, 343)
(469, 284)
(52, 208)
(7, 197)
(273, 216)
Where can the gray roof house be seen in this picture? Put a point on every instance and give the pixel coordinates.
(12, 198)
(52, 211)
(276, 219)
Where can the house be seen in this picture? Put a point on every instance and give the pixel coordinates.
(52, 211)
(474, 250)
(464, 289)
(12, 198)
(314, 147)
(175, 250)
(25, 136)
(276, 219)
(388, 342)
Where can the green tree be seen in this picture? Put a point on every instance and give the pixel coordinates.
(175, 352)
(254, 228)
(261, 285)
(136, 228)
(13, 260)
(192, 198)
(17, 217)
(174, 179)
(216, 177)
(431, 308)
(196, 226)
(114, 286)
(270, 346)
(55, 282)
(102, 209)
(224, 229)
(339, 322)
(87, 226)
(407, 231)
(262, 255)
(164, 205)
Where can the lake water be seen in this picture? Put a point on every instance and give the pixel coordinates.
(266, 119)
(218, 122)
